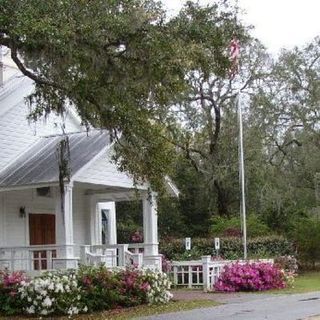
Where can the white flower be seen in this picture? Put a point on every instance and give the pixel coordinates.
(47, 302)
(43, 292)
(59, 288)
(44, 312)
(51, 286)
(30, 310)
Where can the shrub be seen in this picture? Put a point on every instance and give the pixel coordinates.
(100, 287)
(226, 227)
(104, 289)
(133, 287)
(250, 277)
(137, 237)
(159, 286)
(230, 248)
(165, 264)
(9, 285)
(288, 263)
(306, 235)
(57, 293)
(87, 289)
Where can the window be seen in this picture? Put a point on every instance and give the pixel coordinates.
(44, 192)
(104, 226)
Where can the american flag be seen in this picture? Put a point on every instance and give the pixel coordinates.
(234, 57)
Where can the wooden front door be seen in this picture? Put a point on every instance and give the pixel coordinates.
(42, 231)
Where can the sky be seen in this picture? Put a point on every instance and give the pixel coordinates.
(278, 23)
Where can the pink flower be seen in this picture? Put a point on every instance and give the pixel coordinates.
(145, 286)
(86, 281)
(137, 237)
(13, 279)
(250, 277)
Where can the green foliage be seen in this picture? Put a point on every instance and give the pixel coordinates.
(161, 87)
(101, 288)
(193, 201)
(228, 227)
(306, 235)
(121, 64)
(89, 288)
(129, 219)
(170, 218)
(230, 248)
(9, 286)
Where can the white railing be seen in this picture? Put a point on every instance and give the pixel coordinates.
(52, 257)
(187, 273)
(201, 273)
(116, 255)
(136, 247)
(37, 258)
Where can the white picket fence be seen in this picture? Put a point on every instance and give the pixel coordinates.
(202, 273)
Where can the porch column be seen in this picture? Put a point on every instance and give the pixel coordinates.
(64, 220)
(95, 221)
(2, 221)
(150, 231)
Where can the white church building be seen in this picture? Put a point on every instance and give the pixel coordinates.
(35, 232)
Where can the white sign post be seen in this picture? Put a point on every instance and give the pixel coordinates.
(188, 243)
(217, 245)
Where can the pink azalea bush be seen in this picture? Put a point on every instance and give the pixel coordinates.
(137, 237)
(166, 264)
(250, 277)
(9, 286)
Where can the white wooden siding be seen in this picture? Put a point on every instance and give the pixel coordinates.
(16, 134)
(14, 229)
(103, 172)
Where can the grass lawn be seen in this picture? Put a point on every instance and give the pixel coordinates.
(306, 282)
(136, 312)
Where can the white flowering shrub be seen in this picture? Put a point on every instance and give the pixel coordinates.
(57, 293)
(88, 289)
(159, 286)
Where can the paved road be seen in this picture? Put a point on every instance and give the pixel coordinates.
(280, 307)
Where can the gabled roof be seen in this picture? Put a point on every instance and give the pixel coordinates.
(39, 164)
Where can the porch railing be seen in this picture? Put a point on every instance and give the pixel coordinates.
(52, 257)
(136, 247)
(37, 258)
(116, 255)
(201, 273)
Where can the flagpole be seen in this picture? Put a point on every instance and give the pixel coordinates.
(241, 178)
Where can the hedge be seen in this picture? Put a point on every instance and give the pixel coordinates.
(230, 248)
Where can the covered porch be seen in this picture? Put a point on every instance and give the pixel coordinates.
(42, 230)
(85, 233)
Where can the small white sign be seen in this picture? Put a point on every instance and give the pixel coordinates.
(188, 243)
(217, 243)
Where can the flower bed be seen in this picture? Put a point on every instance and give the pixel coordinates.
(251, 277)
(85, 290)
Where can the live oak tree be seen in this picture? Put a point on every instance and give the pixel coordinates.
(113, 61)
(162, 88)
(204, 121)
(287, 108)
(122, 64)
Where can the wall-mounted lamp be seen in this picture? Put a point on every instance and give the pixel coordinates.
(22, 212)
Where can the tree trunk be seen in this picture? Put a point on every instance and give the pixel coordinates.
(222, 200)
